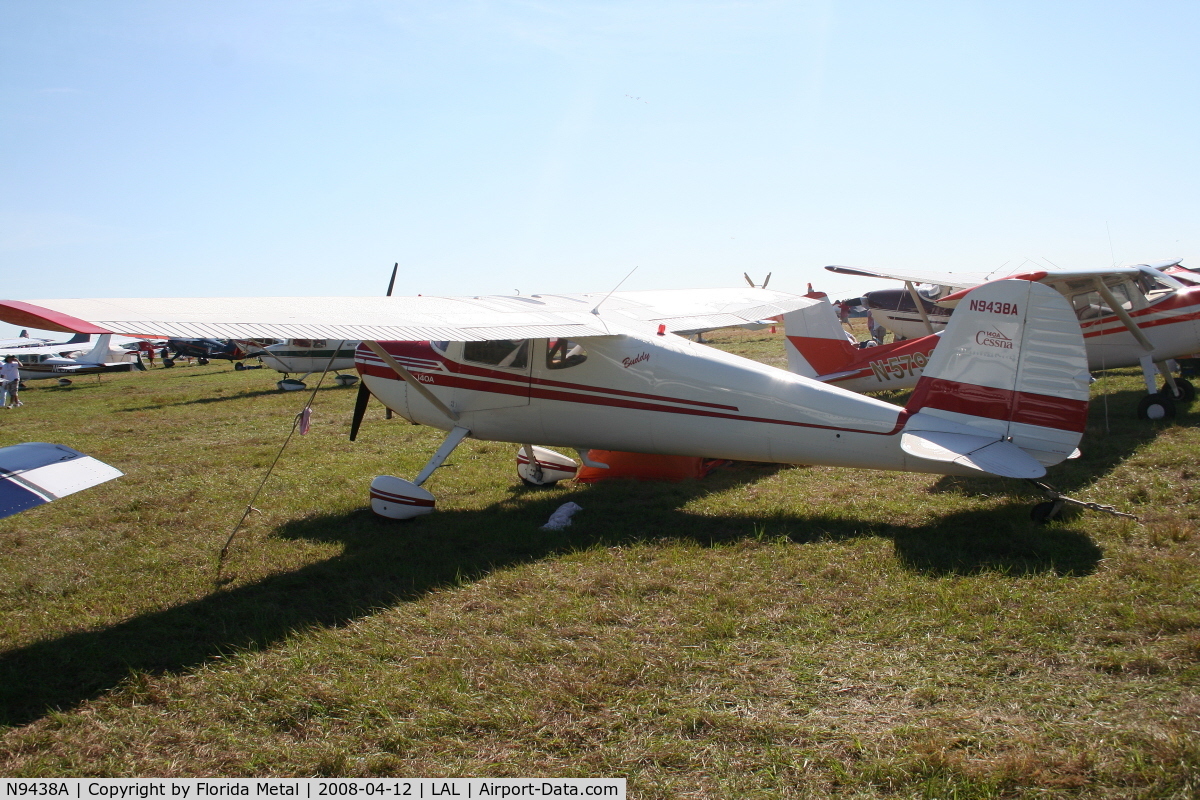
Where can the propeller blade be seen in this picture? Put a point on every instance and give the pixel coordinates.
(360, 408)
(392, 282)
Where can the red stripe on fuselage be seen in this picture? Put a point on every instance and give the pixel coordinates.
(1119, 327)
(520, 382)
(614, 398)
(1002, 404)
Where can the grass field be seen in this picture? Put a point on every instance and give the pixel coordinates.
(766, 632)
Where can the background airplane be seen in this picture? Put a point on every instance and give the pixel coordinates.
(203, 350)
(603, 372)
(48, 361)
(1130, 316)
(24, 344)
(304, 357)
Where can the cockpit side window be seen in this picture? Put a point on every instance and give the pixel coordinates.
(563, 353)
(507, 353)
(1090, 305)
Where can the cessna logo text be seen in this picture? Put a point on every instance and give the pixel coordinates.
(994, 307)
(629, 362)
(993, 339)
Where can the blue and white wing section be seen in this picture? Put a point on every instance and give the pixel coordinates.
(35, 473)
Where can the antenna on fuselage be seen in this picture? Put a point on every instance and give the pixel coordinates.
(596, 310)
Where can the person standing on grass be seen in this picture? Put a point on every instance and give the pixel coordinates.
(10, 380)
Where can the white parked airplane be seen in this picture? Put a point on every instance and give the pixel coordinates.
(24, 344)
(304, 357)
(48, 361)
(1131, 316)
(603, 372)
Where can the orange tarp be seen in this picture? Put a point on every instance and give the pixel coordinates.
(642, 466)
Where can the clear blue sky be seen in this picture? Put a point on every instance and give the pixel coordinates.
(302, 147)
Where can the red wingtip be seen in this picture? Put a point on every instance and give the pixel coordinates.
(31, 316)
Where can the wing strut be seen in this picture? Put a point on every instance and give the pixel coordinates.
(1120, 311)
(1148, 365)
(916, 298)
(410, 379)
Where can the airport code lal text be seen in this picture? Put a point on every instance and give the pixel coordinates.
(198, 789)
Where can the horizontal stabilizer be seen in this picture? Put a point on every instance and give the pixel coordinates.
(36, 472)
(984, 453)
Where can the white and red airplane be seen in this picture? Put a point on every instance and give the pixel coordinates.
(604, 372)
(1130, 316)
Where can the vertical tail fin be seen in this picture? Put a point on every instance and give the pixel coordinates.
(1012, 363)
(79, 338)
(815, 342)
(98, 354)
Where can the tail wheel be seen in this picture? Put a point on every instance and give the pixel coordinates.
(1186, 393)
(1156, 406)
(1043, 513)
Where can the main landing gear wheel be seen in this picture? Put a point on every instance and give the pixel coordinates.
(202, 361)
(168, 362)
(1186, 393)
(545, 468)
(1156, 406)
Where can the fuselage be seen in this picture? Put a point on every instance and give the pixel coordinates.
(308, 355)
(895, 310)
(662, 395)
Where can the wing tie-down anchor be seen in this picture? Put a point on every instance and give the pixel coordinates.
(396, 498)
(1050, 509)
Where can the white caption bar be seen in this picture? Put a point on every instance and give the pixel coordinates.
(340, 788)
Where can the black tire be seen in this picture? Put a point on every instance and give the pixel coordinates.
(1043, 513)
(168, 362)
(533, 485)
(1156, 407)
(1186, 393)
(202, 361)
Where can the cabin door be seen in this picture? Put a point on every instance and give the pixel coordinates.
(493, 374)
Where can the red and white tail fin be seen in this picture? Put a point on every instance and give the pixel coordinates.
(816, 343)
(1010, 370)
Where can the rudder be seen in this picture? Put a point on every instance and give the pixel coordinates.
(1011, 362)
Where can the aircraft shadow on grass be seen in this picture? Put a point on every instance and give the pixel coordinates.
(384, 563)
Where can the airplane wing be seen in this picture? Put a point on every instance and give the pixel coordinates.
(1069, 281)
(43, 350)
(959, 280)
(1060, 279)
(36, 472)
(405, 318)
